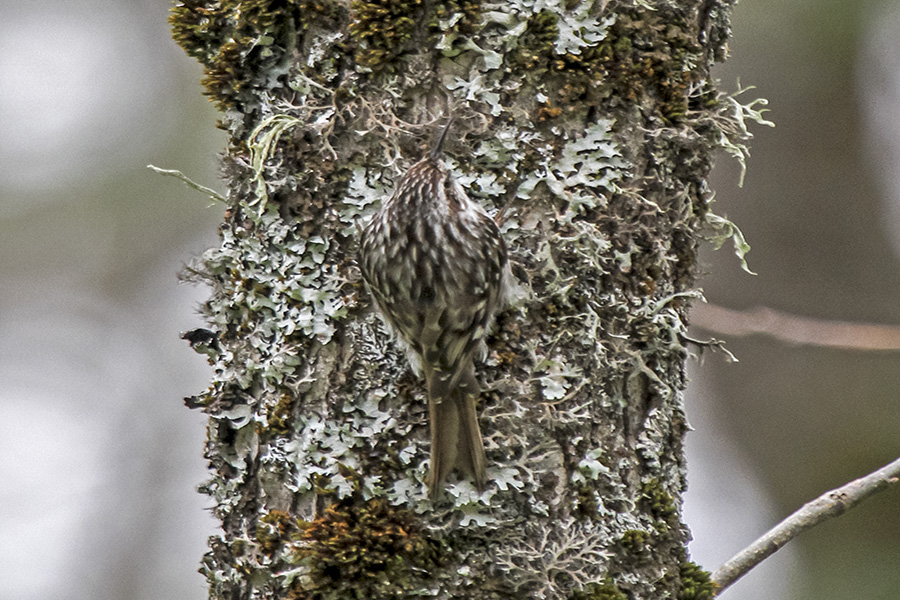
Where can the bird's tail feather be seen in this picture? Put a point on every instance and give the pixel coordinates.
(456, 440)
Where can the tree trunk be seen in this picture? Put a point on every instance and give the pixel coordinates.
(588, 129)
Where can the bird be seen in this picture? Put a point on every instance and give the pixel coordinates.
(437, 268)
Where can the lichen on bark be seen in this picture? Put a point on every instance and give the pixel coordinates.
(588, 129)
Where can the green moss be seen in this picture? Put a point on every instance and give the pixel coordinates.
(470, 16)
(384, 29)
(634, 541)
(660, 503)
(645, 54)
(648, 53)
(273, 530)
(381, 28)
(364, 550)
(200, 30)
(239, 40)
(280, 416)
(535, 50)
(586, 502)
(695, 583)
(238, 547)
(599, 591)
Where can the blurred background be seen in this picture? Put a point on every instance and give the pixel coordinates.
(99, 459)
(821, 207)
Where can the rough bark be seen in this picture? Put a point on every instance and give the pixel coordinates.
(589, 129)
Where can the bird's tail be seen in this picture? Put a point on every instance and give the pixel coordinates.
(455, 435)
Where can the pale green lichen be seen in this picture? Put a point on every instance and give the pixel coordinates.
(263, 141)
(583, 175)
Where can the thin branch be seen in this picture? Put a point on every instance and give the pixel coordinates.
(830, 504)
(796, 329)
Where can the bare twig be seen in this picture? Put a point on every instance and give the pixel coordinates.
(830, 504)
(796, 329)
